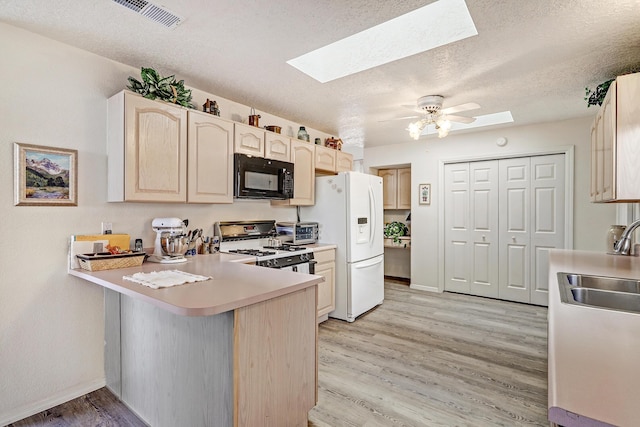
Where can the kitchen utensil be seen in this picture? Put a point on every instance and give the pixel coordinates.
(253, 118)
(276, 129)
(173, 246)
(170, 235)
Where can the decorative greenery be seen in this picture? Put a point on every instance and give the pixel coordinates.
(395, 229)
(154, 86)
(597, 96)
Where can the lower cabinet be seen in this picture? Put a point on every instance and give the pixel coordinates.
(326, 267)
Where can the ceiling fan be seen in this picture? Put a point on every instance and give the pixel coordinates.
(433, 113)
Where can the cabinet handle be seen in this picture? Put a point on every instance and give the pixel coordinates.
(484, 237)
(513, 238)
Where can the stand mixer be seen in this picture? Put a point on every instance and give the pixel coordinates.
(168, 228)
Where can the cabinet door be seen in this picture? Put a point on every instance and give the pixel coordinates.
(593, 194)
(249, 140)
(155, 151)
(277, 147)
(326, 268)
(210, 155)
(304, 178)
(344, 162)
(404, 189)
(608, 125)
(325, 158)
(389, 187)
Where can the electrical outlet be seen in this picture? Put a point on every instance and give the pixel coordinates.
(107, 228)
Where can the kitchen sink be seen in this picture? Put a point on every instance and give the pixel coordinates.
(610, 293)
(604, 283)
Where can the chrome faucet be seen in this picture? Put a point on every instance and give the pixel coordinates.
(623, 246)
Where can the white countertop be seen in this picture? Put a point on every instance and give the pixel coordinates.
(233, 284)
(593, 353)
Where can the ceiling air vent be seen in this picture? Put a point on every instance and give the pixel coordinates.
(152, 11)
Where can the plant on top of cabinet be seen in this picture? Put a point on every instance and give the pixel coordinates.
(154, 86)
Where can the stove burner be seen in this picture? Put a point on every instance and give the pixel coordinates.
(286, 248)
(253, 252)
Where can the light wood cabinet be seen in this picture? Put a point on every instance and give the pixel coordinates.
(210, 159)
(147, 150)
(344, 161)
(304, 179)
(326, 267)
(615, 152)
(277, 147)
(396, 188)
(332, 161)
(160, 152)
(325, 158)
(249, 140)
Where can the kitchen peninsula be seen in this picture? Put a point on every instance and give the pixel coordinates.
(239, 349)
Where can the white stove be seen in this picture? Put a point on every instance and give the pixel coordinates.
(257, 238)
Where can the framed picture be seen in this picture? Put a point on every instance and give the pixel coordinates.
(45, 176)
(424, 194)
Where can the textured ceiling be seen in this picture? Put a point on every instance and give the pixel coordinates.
(532, 57)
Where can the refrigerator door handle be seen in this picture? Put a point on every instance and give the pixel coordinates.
(372, 215)
(364, 264)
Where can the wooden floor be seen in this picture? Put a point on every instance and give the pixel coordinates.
(424, 359)
(420, 359)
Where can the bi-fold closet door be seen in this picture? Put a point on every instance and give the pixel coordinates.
(501, 218)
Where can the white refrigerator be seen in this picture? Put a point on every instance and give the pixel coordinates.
(348, 209)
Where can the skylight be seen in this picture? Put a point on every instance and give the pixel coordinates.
(431, 26)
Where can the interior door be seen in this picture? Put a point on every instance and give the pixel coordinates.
(483, 177)
(457, 253)
(547, 227)
(514, 234)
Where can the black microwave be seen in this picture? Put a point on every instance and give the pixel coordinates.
(260, 178)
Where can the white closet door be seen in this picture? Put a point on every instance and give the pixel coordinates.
(547, 223)
(514, 229)
(457, 254)
(483, 209)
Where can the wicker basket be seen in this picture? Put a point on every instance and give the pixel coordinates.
(108, 261)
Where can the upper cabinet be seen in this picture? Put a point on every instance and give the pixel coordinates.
(331, 160)
(160, 152)
(344, 161)
(396, 188)
(304, 179)
(147, 150)
(249, 140)
(615, 151)
(277, 147)
(258, 142)
(210, 159)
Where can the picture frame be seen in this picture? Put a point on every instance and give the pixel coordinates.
(45, 176)
(424, 194)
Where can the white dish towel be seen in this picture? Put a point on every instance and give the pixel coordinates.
(165, 278)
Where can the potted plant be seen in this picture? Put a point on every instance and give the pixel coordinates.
(395, 230)
(154, 86)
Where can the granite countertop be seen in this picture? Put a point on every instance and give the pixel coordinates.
(234, 284)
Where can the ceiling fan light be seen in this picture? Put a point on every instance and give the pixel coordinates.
(415, 129)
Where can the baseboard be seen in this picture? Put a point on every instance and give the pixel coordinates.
(424, 288)
(48, 403)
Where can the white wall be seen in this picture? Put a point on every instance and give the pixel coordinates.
(590, 221)
(51, 324)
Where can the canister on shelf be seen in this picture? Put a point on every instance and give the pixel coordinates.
(613, 235)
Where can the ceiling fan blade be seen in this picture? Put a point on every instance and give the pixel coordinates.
(413, 108)
(460, 119)
(398, 118)
(462, 107)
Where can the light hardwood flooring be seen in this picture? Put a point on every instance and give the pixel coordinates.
(420, 359)
(424, 359)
